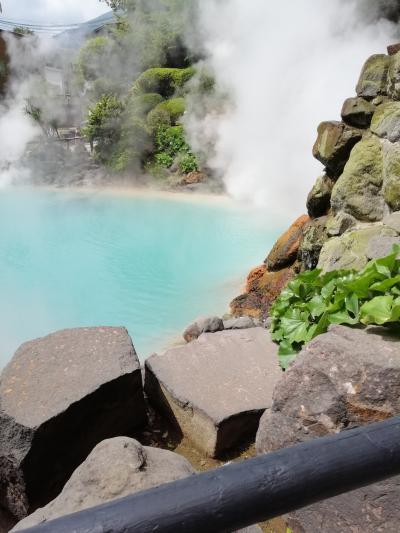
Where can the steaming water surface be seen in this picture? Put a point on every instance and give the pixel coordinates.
(150, 263)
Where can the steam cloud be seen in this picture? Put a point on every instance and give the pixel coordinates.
(286, 66)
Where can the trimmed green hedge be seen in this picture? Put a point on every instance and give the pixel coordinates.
(166, 113)
(164, 81)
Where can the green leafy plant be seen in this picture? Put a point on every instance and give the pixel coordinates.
(188, 163)
(313, 301)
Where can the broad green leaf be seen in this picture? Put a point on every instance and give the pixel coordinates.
(377, 311)
(342, 317)
(316, 306)
(352, 304)
(384, 286)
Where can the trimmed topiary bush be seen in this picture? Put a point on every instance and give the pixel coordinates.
(141, 105)
(164, 81)
(166, 113)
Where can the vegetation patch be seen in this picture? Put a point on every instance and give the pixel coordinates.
(313, 301)
(164, 81)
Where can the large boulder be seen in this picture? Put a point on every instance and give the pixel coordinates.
(314, 236)
(342, 379)
(354, 249)
(386, 121)
(373, 78)
(358, 191)
(319, 198)
(215, 389)
(333, 145)
(357, 112)
(393, 85)
(262, 289)
(59, 396)
(391, 175)
(115, 468)
(284, 251)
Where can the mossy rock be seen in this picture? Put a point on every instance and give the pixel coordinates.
(391, 175)
(374, 77)
(166, 113)
(164, 81)
(357, 112)
(358, 191)
(393, 84)
(318, 200)
(354, 249)
(333, 145)
(386, 121)
(314, 236)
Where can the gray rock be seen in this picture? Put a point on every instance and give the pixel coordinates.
(373, 78)
(215, 389)
(203, 325)
(386, 121)
(114, 469)
(340, 223)
(318, 200)
(333, 145)
(243, 322)
(60, 395)
(338, 381)
(393, 221)
(314, 237)
(354, 249)
(357, 112)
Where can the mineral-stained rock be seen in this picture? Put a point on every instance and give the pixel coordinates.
(357, 112)
(284, 251)
(203, 325)
(115, 468)
(337, 225)
(314, 236)
(392, 49)
(386, 121)
(391, 174)
(318, 200)
(338, 382)
(358, 191)
(263, 287)
(215, 389)
(354, 249)
(242, 322)
(60, 395)
(373, 78)
(333, 145)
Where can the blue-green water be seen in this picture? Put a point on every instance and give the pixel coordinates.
(150, 263)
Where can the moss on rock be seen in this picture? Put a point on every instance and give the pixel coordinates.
(333, 145)
(391, 175)
(164, 81)
(393, 85)
(386, 121)
(373, 78)
(358, 191)
(357, 112)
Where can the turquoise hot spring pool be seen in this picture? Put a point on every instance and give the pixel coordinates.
(150, 262)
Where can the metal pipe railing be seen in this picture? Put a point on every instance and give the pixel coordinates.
(241, 494)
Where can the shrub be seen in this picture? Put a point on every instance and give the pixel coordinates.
(166, 113)
(141, 105)
(94, 58)
(164, 81)
(171, 140)
(313, 301)
(104, 125)
(163, 159)
(188, 163)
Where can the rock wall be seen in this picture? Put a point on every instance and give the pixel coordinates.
(350, 206)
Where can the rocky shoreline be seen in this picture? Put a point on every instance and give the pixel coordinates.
(76, 408)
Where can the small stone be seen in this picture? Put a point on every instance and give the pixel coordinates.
(203, 325)
(243, 322)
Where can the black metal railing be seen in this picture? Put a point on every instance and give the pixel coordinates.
(241, 494)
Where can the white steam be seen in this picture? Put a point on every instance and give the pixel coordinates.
(286, 66)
